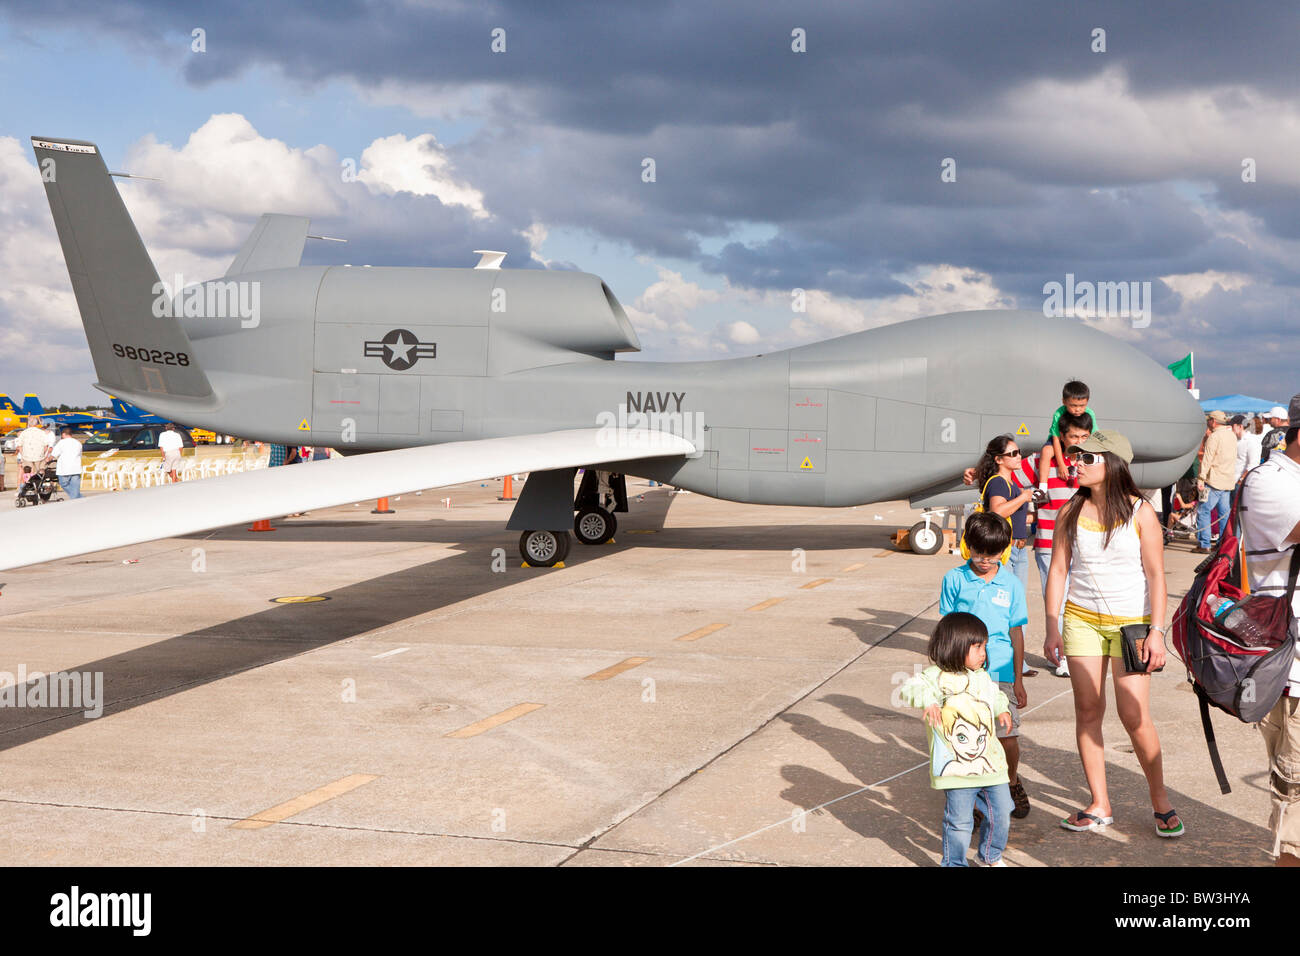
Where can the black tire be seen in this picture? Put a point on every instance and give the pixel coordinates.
(925, 539)
(595, 526)
(544, 549)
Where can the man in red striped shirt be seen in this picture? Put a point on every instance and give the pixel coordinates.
(1074, 429)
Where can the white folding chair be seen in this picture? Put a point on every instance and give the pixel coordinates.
(135, 474)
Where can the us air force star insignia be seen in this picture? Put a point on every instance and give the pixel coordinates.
(401, 349)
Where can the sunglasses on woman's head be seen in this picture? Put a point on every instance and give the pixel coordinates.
(1089, 458)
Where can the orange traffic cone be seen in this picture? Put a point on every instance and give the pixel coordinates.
(381, 508)
(263, 525)
(507, 490)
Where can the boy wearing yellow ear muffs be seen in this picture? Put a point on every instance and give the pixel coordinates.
(986, 587)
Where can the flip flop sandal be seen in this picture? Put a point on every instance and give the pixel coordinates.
(1096, 824)
(1029, 673)
(1021, 800)
(1166, 830)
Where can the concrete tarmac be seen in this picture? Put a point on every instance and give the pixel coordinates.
(718, 686)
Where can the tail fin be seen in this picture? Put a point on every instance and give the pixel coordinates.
(127, 411)
(134, 349)
(32, 405)
(7, 404)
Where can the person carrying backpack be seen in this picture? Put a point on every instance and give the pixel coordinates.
(1270, 517)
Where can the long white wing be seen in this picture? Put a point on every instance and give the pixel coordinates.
(69, 528)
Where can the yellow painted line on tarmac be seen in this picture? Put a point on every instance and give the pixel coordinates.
(617, 669)
(305, 802)
(764, 605)
(853, 567)
(815, 584)
(883, 554)
(496, 720)
(699, 632)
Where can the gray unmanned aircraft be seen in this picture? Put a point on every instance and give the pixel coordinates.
(452, 375)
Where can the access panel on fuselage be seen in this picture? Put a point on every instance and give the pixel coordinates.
(345, 405)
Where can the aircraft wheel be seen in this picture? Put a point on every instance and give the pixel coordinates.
(595, 526)
(925, 538)
(544, 549)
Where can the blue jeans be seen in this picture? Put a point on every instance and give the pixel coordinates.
(71, 484)
(1019, 563)
(1212, 498)
(959, 821)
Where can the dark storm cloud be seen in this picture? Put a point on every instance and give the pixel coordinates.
(838, 148)
(741, 127)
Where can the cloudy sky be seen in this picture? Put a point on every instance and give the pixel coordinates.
(794, 146)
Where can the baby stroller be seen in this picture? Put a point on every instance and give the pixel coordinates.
(34, 489)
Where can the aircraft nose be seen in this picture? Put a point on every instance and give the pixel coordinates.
(1134, 395)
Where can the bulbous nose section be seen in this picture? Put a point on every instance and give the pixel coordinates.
(1136, 396)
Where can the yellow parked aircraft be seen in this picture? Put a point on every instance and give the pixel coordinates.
(11, 415)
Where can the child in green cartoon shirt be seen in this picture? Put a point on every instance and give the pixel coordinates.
(960, 703)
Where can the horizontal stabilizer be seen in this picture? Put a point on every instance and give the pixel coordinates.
(276, 242)
(93, 524)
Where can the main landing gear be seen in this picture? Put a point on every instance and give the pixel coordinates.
(544, 549)
(599, 496)
(595, 526)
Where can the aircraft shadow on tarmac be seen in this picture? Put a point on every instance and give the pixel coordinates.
(905, 814)
(282, 631)
(810, 537)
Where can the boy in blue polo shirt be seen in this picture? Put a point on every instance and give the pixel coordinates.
(987, 588)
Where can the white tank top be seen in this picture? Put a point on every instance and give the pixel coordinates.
(1109, 584)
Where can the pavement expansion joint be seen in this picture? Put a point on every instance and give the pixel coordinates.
(186, 814)
(801, 695)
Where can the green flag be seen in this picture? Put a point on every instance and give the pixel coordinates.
(1183, 367)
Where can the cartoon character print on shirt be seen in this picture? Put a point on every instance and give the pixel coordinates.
(961, 741)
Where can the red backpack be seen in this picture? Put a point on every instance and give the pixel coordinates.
(1239, 654)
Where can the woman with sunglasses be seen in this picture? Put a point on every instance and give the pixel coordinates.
(1109, 543)
(994, 475)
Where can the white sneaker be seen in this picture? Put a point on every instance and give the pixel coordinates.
(1063, 668)
(979, 862)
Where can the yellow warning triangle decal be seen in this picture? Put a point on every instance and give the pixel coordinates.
(303, 426)
(806, 463)
(1023, 430)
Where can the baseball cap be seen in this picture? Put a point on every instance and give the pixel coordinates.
(1109, 440)
(1220, 417)
(1277, 411)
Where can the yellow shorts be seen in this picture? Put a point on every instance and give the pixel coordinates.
(1091, 638)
